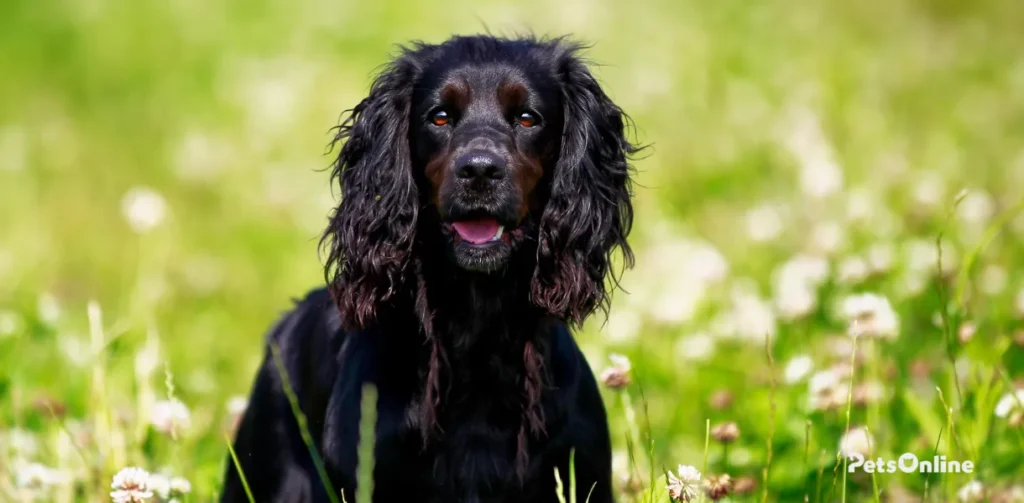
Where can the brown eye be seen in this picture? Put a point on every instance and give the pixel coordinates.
(526, 119)
(440, 118)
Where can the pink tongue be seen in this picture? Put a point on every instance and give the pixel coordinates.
(477, 231)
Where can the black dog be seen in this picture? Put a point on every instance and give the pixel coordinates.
(485, 186)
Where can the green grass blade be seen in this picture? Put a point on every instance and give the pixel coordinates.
(928, 476)
(771, 418)
(991, 232)
(300, 418)
(238, 468)
(559, 487)
(707, 443)
(572, 475)
(849, 405)
(367, 439)
(807, 453)
(874, 482)
(591, 492)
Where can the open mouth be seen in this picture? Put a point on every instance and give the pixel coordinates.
(478, 230)
(482, 242)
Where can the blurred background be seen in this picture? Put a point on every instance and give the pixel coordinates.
(163, 189)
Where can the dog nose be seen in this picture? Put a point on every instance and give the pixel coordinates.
(480, 165)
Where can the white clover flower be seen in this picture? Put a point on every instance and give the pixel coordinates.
(856, 441)
(840, 347)
(677, 303)
(822, 380)
(809, 268)
(684, 485)
(180, 486)
(30, 475)
(880, 257)
(170, 416)
(21, 443)
(860, 205)
(617, 376)
(795, 300)
(912, 284)
(167, 488)
(696, 266)
(751, 318)
(621, 362)
(921, 256)
(795, 285)
(993, 280)
(764, 223)
(868, 392)
(160, 485)
(1012, 494)
(827, 237)
(871, 315)
(798, 368)
(820, 173)
(853, 270)
(705, 262)
(143, 208)
(697, 347)
(824, 389)
(821, 176)
(131, 485)
(1010, 403)
(972, 492)
(828, 399)
(929, 190)
(976, 208)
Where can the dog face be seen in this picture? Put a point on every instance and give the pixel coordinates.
(498, 146)
(484, 134)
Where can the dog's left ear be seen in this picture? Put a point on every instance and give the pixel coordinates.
(370, 236)
(589, 213)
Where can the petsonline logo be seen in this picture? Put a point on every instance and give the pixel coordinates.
(909, 463)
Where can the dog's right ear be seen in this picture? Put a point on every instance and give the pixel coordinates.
(370, 236)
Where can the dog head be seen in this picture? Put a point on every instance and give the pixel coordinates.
(497, 146)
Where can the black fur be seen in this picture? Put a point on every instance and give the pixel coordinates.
(483, 391)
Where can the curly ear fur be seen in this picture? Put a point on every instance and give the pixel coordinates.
(589, 213)
(370, 235)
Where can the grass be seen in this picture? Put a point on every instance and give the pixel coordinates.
(367, 434)
(300, 418)
(162, 191)
(238, 466)
(766, 471)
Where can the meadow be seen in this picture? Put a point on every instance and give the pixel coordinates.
(828, 235)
